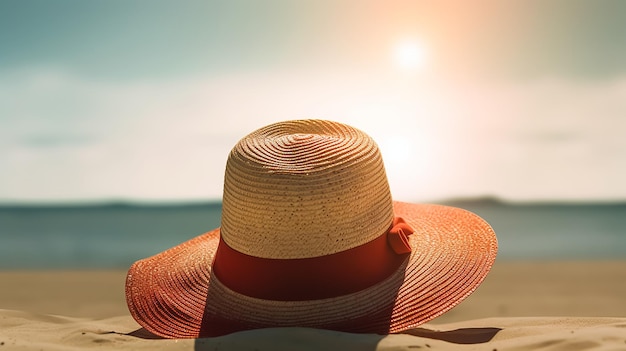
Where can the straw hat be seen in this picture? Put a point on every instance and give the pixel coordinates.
(311, 237)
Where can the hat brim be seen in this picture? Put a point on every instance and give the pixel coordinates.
(174, 293)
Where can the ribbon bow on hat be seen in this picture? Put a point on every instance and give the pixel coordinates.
(398, 236)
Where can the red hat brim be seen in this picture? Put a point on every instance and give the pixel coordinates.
(174, 293)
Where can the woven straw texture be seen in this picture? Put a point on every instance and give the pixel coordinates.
(306, 189)
(318, 187)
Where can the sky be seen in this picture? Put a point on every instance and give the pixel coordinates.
(143, 100)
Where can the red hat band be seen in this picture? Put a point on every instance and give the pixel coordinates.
(313, 278)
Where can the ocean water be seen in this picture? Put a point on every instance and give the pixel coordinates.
(115, 235)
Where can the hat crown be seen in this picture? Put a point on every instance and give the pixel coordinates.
(305, 188)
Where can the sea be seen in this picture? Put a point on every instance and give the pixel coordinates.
(114, 235)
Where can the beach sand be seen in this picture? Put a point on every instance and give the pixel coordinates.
(520, 306)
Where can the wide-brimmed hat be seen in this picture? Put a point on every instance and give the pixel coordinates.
(310, 237)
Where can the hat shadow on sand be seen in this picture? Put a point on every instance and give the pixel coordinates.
(325, 339)
(321, 339)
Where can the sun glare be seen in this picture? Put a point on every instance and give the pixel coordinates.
(410, 55)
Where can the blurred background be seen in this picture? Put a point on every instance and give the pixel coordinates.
(116, 117)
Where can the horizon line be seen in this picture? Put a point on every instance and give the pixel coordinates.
(112, 202)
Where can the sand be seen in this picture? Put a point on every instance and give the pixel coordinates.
(521, 306)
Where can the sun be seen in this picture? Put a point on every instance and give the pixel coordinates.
(410, 55)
